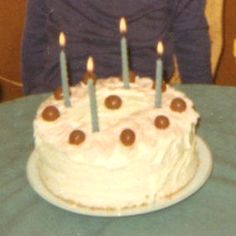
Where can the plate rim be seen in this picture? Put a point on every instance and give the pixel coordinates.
(203, 173)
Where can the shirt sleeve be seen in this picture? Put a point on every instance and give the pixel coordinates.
(34, 45)
(191, 41)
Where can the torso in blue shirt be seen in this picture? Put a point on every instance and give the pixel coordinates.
(92, 28)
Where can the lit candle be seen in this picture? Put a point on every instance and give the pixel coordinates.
(124, 53)
(92, 95)
(64, 74)
(159, 75)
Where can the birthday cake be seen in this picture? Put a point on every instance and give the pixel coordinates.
(141, 154)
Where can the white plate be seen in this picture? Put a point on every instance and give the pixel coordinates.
(204, 171)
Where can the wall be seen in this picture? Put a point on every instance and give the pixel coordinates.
(226, 74)
(11, 23)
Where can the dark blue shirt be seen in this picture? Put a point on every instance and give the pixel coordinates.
(92, 28)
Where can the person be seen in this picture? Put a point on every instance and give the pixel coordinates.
(92, 29)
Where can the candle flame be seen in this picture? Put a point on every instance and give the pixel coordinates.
(90, 64)
(160, 48)
(123, 25)
(62, 39)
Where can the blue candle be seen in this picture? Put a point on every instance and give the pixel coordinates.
(124, 53)
(92, 97)
(159, 76)
(64, 74)
(93, 106)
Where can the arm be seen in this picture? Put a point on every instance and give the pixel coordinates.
(214, 14)
(191, 41)
(34, 46)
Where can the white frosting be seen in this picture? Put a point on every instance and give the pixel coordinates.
(102, 172)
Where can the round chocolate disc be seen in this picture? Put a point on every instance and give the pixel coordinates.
(89, 75)
(113, 102)
(132, 76)
(127, 137)
(76, 137)
(58, 93)
(50, 113)
(178, 105)
(161, 122)
(163, 86)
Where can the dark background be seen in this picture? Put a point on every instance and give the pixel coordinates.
(11, 24)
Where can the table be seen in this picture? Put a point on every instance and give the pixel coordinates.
(211, 211)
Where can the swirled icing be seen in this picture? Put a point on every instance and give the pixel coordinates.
(101, 172)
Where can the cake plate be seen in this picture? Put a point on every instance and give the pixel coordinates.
(203, 173)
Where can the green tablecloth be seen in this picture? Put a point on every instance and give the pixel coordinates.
(211, 211)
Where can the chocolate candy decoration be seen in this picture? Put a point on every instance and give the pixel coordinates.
(178, 105)
(161, 122)
(127, 137)
(58, 94)
(76, 137)
(50, 113)
(113, 102)
(163, 86)
(132, 76)
(89, 75)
